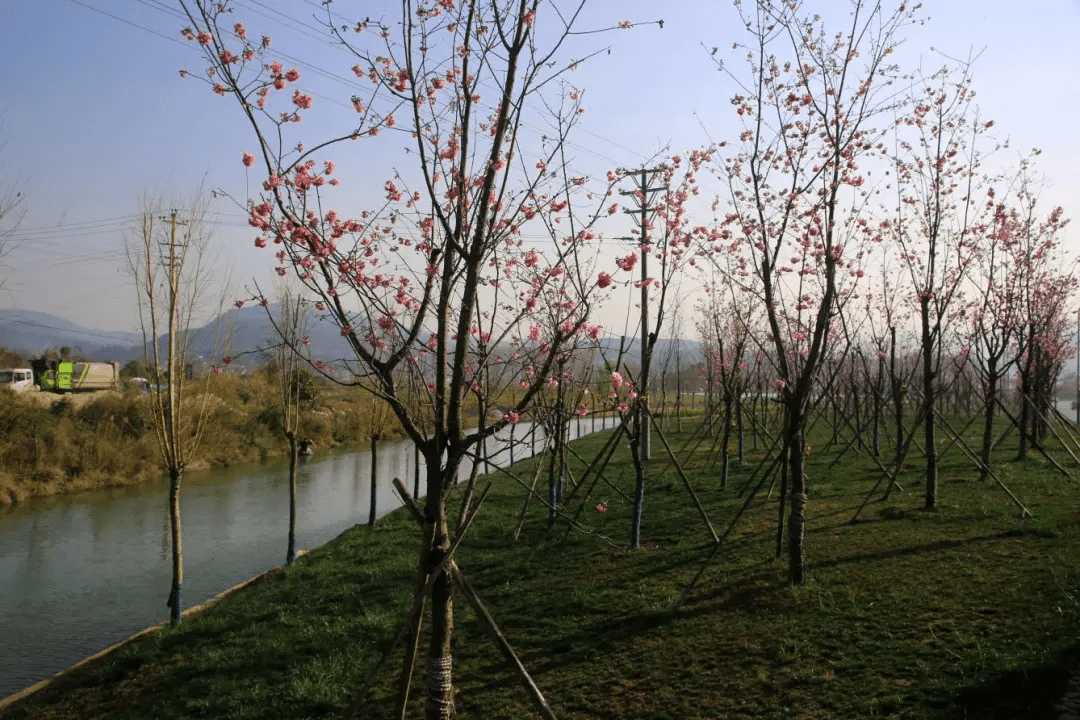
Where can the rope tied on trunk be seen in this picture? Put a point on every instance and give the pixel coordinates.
(440, 695)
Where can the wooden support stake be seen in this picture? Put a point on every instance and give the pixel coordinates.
(499, 639)
(478, 607)
(686, 482)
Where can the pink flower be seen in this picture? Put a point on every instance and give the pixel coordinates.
(248, 159)
(779, 383)
(603, 280)
(226, 359)
(601, 507)
(512, 417)
(583, 411)
(239, 303)
(625, 25)
(617, 380)
(301, 101)
(627, 263)
(623, 407)
(293, 75)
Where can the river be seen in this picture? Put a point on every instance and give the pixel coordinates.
(80, 572)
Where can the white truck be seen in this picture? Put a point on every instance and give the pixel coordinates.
(18, 379)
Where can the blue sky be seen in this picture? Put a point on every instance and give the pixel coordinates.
(94, 116)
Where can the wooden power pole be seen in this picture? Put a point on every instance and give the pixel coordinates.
(642, 195)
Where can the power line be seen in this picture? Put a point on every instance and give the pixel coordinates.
(129, 22)
(346, 81)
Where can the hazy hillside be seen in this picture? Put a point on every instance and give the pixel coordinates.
(242, 333)
(31, 333)
(249, 328)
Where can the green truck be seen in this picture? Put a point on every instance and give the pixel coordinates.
(67, 376)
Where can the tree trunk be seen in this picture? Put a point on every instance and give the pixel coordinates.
(438, 684)
(857, 407)
(553, 498)
(639, 480)
(797, 517)
(177, 547)
(879, 390)
(290, 554)
(988, 417)
(739, 424)
(374, 478)
(416, 464)
(1024, 421)
(1026, 372)
(897, 398)
(929, 403)
(724, 454)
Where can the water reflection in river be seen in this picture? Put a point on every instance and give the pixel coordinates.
(80, 572)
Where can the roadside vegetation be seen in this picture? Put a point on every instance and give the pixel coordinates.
(52, 444)
(960, 611)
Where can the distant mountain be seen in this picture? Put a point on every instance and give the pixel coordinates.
(31, 332)
(670, 351)
(248, 329)
(243, 332)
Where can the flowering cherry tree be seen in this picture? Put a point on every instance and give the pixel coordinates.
(992, 316)
(725, 327)
(937, 219)
(798, 193)
(1045, 287)
(443, 299)
(669, 241)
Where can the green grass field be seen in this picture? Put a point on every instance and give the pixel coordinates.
(958, 612)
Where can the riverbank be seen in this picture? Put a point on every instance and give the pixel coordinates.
(905, 614)
(59, 444)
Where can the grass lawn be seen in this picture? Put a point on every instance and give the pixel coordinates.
(952, 613)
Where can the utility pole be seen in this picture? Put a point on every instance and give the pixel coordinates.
(173, 312)
(641, 194)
